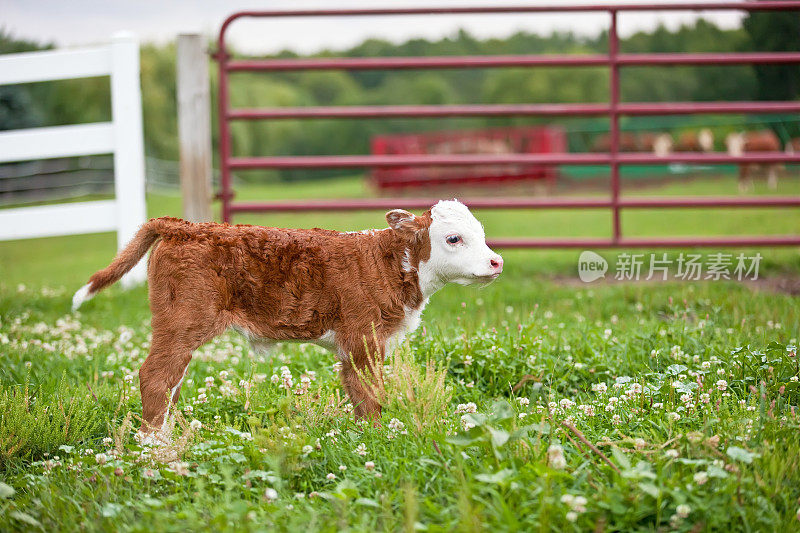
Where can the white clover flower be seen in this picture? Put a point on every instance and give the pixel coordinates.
(101, 458)
(523, 401)
(722, 384)
(468, 360)
(396, 425)
(465, 423)
(683, 510)
(616, 420)
(671, 454)
(361, 449)
(599, 387)
(572, 516)
(209, 381)
(579, 504)
(369, 465)
(634, 389)
(275, 379)
(331, 476)
(342, 468)
(307, 449)
(701, 478)
(271, 494)
(673, 416)
(568, 499)
(555, 457)
(195, 424)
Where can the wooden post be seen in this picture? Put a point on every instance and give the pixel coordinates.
(194, 127)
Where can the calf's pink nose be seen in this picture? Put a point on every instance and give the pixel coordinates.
(497, 263)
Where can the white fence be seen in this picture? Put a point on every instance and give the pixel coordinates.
(121, 137)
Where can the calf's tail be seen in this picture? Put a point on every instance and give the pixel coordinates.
(125, 260)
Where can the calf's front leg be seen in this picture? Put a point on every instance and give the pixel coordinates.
(362, 378)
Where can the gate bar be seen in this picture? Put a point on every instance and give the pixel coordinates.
(637, 108)
(488, 61)
(566, 158)
(518, 203)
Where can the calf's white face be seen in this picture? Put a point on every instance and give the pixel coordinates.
(458, 247)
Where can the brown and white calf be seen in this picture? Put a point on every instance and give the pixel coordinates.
(357, 293)
(749, 142)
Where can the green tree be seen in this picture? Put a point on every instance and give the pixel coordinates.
(775, 32)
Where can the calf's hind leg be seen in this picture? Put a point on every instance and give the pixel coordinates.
(161, 375)
(160, 379)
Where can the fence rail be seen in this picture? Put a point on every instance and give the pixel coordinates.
(614, 109)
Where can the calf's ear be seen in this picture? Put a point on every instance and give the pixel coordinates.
(402, 221)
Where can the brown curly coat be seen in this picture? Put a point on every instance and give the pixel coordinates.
(279, 284)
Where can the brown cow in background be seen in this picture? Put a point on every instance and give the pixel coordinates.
(657, 143)
(700, 141)
(627, 142)
(742, 143)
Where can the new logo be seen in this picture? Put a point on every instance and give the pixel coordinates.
(591, 266)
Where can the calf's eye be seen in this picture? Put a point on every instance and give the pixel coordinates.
(453, 239)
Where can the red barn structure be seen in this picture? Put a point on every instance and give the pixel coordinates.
(494, 141)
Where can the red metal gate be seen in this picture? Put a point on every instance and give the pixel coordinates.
(613, 109)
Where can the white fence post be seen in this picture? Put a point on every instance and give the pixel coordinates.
(126, 109)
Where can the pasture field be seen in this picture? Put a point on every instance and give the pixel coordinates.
(538, 403)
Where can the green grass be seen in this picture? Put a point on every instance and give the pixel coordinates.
(529, 353)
